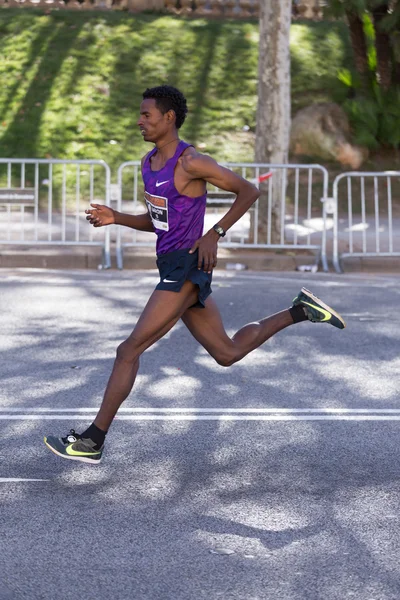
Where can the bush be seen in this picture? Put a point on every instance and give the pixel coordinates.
(375, 118)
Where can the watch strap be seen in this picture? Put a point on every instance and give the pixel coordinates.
(221, 232)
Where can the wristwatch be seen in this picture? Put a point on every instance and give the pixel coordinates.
(221, 232)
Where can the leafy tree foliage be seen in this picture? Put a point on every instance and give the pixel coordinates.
(374, 86)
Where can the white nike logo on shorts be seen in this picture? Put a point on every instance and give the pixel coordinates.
(169, 281)
(158, 183)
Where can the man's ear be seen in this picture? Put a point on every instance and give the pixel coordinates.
(171, 116)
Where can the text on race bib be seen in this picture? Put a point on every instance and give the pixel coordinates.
(158, 210)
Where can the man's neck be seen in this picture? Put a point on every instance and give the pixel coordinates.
(166, 148)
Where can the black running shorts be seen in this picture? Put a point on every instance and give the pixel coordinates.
(179, 266)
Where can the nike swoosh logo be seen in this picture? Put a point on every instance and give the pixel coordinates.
(327, 315)
(158, 183)
(169, 281)
(69, 450)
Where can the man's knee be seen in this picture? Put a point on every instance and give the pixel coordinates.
(128, 351)
(225, 358)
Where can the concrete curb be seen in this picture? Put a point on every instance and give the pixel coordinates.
(56, 257)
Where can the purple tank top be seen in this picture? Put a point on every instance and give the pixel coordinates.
(178, 220)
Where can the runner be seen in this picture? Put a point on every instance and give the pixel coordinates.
(175, 178)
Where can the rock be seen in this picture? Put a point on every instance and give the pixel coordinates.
(323, 131)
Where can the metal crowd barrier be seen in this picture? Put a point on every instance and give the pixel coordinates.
(364, 223)
(298, 190)
(42, 202)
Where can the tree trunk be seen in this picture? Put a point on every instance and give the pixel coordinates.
(273, 111)
(359, 46)
(383, 47)
(395, 45)
(397, 73)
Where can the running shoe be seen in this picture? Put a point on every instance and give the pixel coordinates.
(317, 311)
(74, 447)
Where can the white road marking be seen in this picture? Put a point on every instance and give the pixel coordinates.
(206, 414)
(232, 417)
(150, 409)
(18, 479)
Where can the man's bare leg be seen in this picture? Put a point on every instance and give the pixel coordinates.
(161, 313)
(207, 328)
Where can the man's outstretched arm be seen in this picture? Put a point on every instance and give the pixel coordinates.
(101, 215)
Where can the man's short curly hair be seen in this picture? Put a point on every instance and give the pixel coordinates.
(169, 98)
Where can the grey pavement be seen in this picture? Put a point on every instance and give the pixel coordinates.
(290, 504)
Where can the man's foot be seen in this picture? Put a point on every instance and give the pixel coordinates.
(317, 311)
(74, 447)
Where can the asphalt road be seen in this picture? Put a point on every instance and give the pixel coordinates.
(275, 479)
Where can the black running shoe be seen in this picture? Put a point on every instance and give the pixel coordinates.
(74, 447)
(317, 311)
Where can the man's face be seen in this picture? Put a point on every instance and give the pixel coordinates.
(152, 123)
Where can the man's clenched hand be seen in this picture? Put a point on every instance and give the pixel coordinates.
(207, 247)
(100, 215)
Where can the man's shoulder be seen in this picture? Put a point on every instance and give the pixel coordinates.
(191, 158)
(189, 152)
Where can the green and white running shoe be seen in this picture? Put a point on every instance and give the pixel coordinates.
(74, 447)
(317, 311)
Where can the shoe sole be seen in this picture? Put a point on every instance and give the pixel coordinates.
(79, 458)
(325, 306)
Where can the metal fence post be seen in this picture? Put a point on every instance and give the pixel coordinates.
(366, 236)
(26, 183)
(240, 236)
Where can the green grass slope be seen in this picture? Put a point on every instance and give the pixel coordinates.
(71, 83)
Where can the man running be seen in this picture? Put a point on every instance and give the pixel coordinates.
(175, 178)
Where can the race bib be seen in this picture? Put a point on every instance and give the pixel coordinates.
(158, 210)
